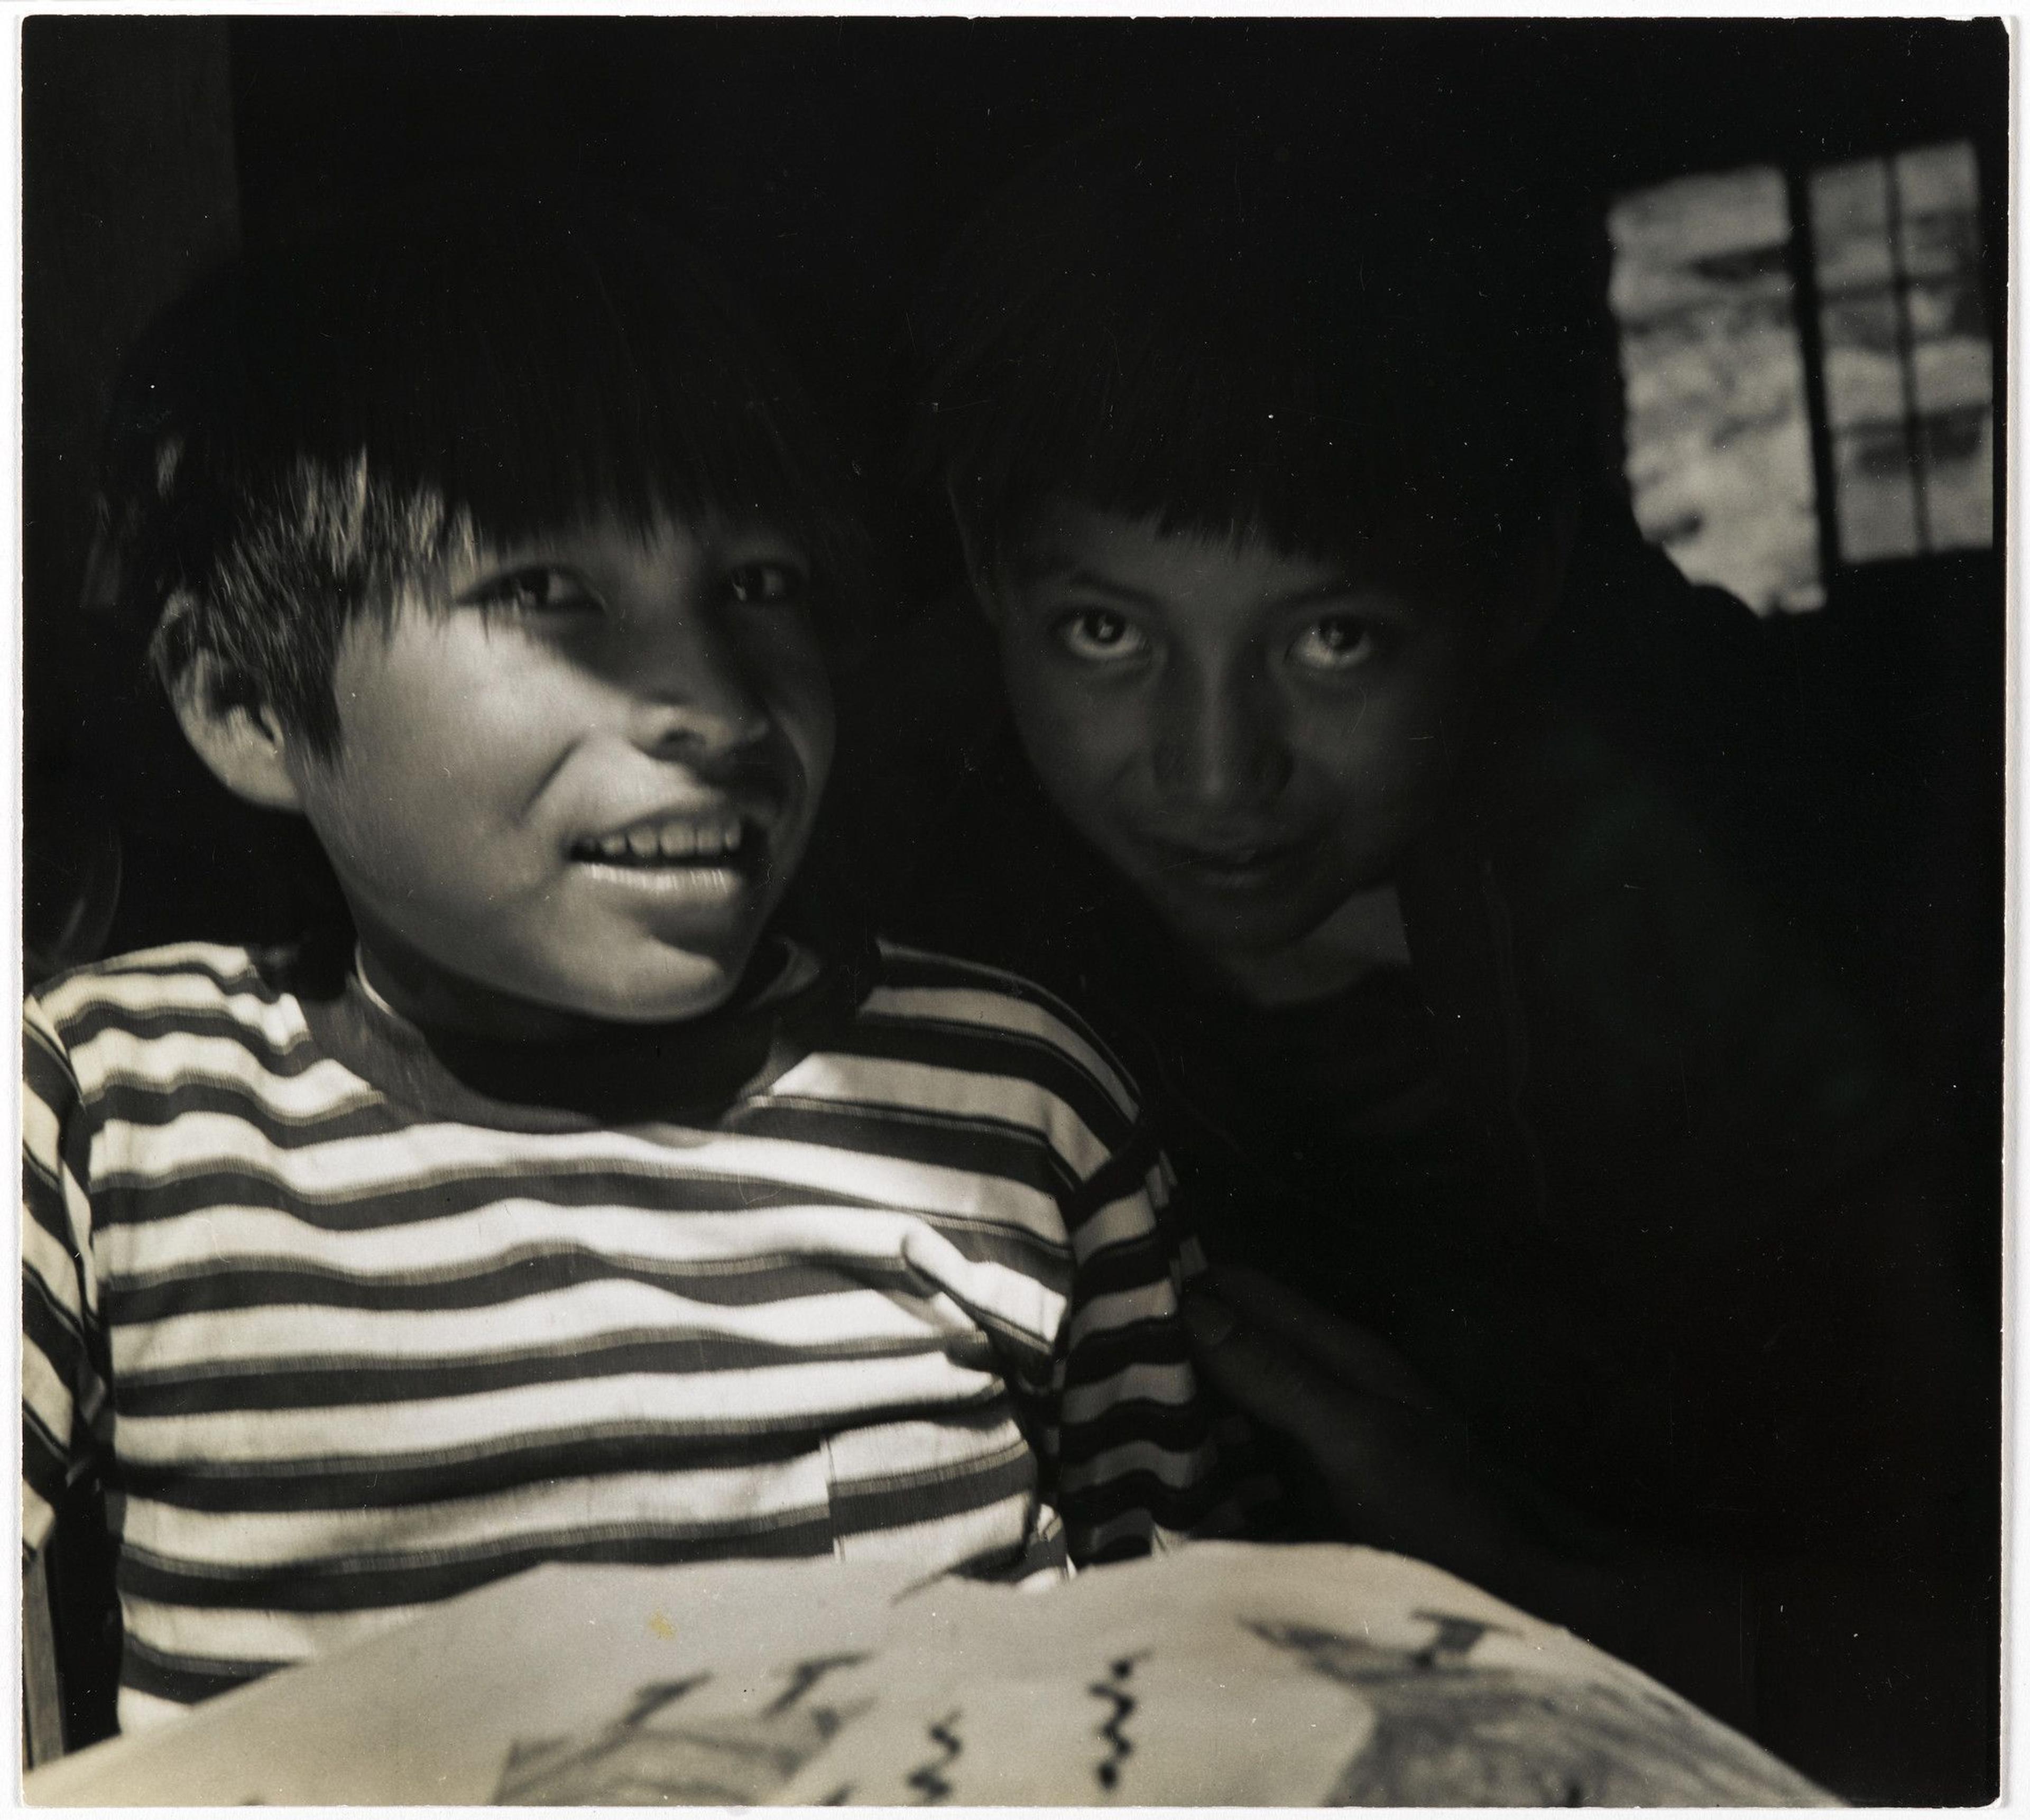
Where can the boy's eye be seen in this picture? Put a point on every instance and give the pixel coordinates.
(1099, 635)
(1341, 642)
(762, 584)
(536, 589)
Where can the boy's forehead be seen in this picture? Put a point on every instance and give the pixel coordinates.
(1071, 540)
(661, 531)
(1067, 534)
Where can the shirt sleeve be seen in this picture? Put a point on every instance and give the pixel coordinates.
(63, 1383)
(1132, 1451)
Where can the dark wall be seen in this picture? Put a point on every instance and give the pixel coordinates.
(129, 191)
(827, 160)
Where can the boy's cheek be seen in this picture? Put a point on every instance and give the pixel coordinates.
(807, 718)
(1056, 701)
(1086, 754)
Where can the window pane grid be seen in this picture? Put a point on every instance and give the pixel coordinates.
(1908, 365)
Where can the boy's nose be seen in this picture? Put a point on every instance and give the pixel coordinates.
(1219, 743)
(692, 697)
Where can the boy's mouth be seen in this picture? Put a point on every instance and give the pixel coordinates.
(1238, 865)
(717, 841)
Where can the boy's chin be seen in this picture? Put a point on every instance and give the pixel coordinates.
(667, 988)
(1244, 930)
(545, 1004)
(662, 1003)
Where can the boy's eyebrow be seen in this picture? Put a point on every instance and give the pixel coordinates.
(1057, 565)
(1337, 587)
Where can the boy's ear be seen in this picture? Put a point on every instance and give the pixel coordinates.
(236, 733)
(978, 573)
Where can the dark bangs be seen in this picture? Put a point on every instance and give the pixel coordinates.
(1296, 338)
(531, 362)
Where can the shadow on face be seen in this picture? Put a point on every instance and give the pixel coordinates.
(1247, 734)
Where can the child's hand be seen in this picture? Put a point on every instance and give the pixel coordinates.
(1394, 1459)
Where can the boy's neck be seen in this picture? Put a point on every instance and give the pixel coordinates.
(439, 1004)
(1365, 933)
(606, 1074)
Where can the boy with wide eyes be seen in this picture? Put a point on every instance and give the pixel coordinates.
(1565, 1225)
(1251, 737)
(576, 1209)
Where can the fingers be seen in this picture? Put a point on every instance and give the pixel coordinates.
(1273, 1382)
(1343, 1350)
(1393, 1477)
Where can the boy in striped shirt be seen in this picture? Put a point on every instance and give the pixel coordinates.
(574, 1211)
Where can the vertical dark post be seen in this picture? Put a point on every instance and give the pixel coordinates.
(1812, 354)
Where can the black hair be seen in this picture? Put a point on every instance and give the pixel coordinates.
(1342, 342)
(315, 425)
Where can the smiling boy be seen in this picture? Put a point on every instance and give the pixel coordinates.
(1564, 1220)
(575, 1209)
(631, 726)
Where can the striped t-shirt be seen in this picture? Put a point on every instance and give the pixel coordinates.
(348, 1323)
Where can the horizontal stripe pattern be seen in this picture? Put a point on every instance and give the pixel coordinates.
(339, 1357)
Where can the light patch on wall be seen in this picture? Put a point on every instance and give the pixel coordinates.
(1718, 439)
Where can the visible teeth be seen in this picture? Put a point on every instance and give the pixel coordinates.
(675, 842)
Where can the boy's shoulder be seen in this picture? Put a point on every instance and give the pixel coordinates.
(1011, 1018)
(185, 985)
(988, 1054)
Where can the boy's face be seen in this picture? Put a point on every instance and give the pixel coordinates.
(1248, 736)
(578, 779)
